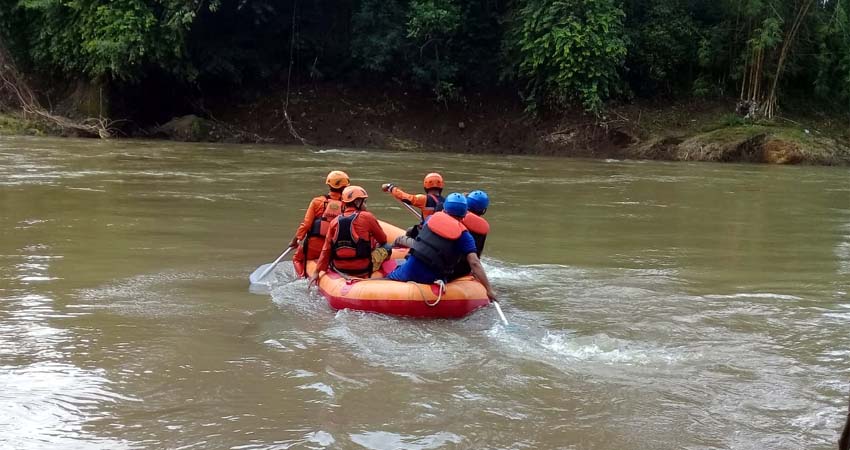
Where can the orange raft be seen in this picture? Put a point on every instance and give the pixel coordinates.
(461, 296)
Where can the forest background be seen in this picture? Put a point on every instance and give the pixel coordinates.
(752, 80)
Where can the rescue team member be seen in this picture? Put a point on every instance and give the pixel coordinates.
(351, 239)
(428, 203)
(322, 210)
(441, 244)
(477, 203)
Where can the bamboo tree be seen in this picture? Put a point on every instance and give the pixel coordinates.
(769, 107)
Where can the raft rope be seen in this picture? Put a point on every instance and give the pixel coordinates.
(442, 291)
(348, 279)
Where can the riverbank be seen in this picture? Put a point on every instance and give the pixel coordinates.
(495, 123)
(341, 116)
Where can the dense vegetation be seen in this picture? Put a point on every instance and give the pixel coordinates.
(553, 53)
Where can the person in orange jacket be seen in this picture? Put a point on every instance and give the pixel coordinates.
(428, 203)
(477, 203)
(352, 239)
(322, 210)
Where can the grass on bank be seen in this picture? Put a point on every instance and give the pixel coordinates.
(705, 131)
(14, 124)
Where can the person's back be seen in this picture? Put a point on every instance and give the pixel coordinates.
(310, 236)
(351, 247)
(350, 243)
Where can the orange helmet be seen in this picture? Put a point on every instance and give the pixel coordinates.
(337, 179)
(433, 181)
(352, 193)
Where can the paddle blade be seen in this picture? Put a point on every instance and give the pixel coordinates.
(501, 314)
(261, 275)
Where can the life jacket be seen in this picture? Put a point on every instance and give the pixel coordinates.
(478, 228)
(315, 238)
(350, 253)
(436, 244)
(433, 203)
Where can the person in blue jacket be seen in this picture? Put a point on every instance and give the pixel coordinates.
(442, 243)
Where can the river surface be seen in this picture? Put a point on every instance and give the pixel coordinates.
(653, 306)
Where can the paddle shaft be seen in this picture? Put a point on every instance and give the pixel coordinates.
(499, 310)
(274, 264)
(409, 208)
(412, 210)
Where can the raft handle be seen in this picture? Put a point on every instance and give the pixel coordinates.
(442, 291)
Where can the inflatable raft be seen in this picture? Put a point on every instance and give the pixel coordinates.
(459, 297)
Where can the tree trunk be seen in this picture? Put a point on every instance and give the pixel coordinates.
(770, 104)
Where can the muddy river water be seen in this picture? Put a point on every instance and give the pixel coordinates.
(653, 306)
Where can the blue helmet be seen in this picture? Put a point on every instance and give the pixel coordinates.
(455, 205)
(478, 201)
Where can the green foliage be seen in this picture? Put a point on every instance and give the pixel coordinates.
(238, 42)
(432, 25)
(379, 41)
(432, 44)
(768, 35)
(832, 59)
(433, 19)
(107, 39)
(557, 53)
(731, 120)
(661, 45)
(567, 50)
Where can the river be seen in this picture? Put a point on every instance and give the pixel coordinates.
(653, 306)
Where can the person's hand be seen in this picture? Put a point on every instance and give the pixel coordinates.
(294, 242)
(314, 279)
(387, 187)
(492, 296)
(403, 241)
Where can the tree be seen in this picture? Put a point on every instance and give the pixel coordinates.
(106, 40)
(566, 50)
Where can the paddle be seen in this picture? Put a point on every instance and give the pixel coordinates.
(499, 310)
(412, 210)
(261, 272)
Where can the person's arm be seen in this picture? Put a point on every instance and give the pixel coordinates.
(309, 217)
(376, 231)
(467, 247)
(324, 260)
(478, 272)
(417, 200)
(404, 241)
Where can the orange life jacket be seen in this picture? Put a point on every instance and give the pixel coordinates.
(351, 253)
(315, 238)
(433, 203)
(478, 228)
(436, 244)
